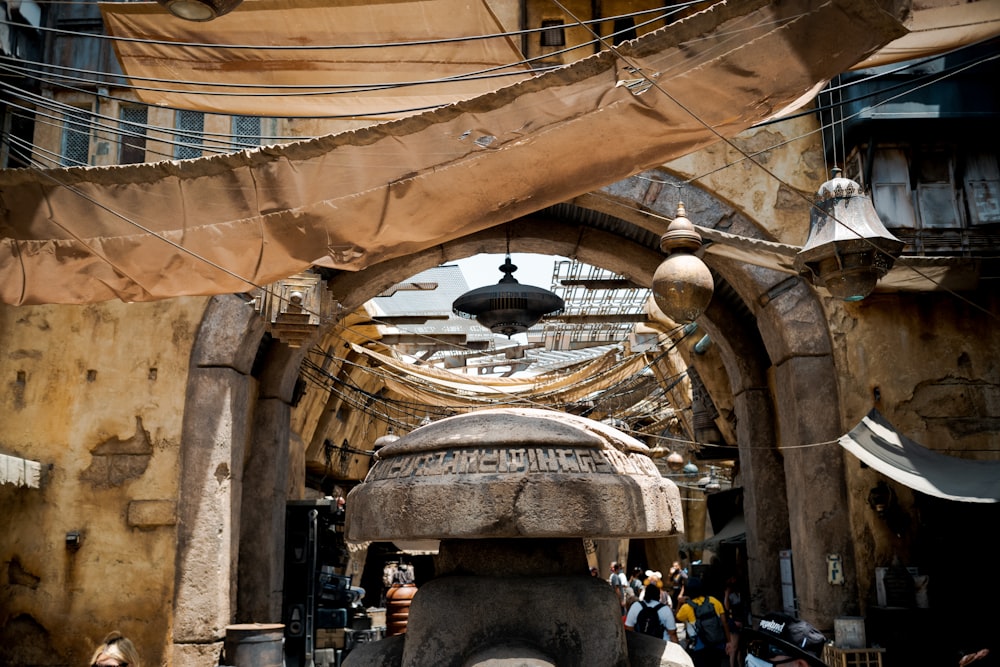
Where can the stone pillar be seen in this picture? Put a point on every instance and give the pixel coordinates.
(816, 487)
(262, 520)
(219, 397)
(764, 505)
(214, 439)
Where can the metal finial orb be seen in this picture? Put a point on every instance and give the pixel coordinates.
(682, 284)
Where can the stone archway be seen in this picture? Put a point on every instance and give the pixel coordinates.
(780, 366)
(780, 370)
(233, 479)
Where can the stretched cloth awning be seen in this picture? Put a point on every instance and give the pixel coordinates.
(423, 384)
(236, 222)
(734, 532)
(939, 26)
(381, 59)
(877, 444)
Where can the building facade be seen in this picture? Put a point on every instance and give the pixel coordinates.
(168, 436)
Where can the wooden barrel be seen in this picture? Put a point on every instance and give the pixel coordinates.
(397, 607)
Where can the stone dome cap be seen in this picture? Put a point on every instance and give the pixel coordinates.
(513, 472)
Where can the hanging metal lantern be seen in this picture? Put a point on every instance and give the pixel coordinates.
(849, 248)
(508, 307)
(682, 284)
(199, 10)
(675, 461)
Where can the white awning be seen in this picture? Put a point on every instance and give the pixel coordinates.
(20, 472)
(877, 444)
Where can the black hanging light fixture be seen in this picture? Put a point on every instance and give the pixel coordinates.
(508, 307)
(848, 248)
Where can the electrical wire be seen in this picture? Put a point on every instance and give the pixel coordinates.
(745, 155)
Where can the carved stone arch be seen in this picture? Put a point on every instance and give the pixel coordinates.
(801, 393)
(539, 233)
(233, 479)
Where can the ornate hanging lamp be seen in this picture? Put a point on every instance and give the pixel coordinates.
(199, 10)
(849, 248)
(508, 307)
(682, 284)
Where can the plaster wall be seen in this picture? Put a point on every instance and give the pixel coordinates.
(96, 395)
(948, 402)
(769, 174)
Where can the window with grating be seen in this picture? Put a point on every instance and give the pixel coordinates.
(891, 191)
(190, 135)
(246, 131)
(553, 33)
(132, 122)
(75, 146)
(17, 138)
(982, 187)
(624, 29)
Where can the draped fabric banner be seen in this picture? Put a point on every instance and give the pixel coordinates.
(380, 59)
(233, 223)
(441, 387)
(876, 442)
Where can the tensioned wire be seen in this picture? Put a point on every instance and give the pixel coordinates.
(746, 157)
(659, 13)
(72, 113)
(238, 142)
(750, 157)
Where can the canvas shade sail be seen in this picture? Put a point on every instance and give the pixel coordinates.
(310, 57)
(433, 386)
(879, 445)
(236, 222)
(939, 26)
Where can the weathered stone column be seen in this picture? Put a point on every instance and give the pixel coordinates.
(208, 539)
(764, 506)
(216, 429)
(817, 495)
(262, 520)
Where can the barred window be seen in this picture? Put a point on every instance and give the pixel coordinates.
(190, 135)
(133, 123)
(246, 131)
(75, 148)
(982, 186)
(553, 33)
(624, 29)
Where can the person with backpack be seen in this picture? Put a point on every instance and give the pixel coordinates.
(651, 617)
(707, 631)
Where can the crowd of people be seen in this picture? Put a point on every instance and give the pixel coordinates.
(715, 633)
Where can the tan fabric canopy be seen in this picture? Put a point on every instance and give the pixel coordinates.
(231, 223)
(434, 386)
(939, 26)
(326, 79)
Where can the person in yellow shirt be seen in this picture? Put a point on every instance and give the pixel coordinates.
(707, 630)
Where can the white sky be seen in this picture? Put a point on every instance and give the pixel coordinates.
(482, 270)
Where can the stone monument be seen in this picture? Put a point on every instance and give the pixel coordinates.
(511, 494)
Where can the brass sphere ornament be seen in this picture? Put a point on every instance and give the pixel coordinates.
(682, 284)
